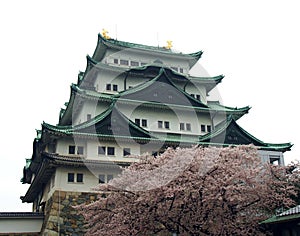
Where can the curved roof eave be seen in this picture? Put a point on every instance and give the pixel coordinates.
(272, 147)
(236, 112)
(100, 49)
(103, 44)
(150, 82)
(73, 130)
(208, 82)
(67, 114)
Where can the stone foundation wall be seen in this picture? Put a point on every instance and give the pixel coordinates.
(61, 217)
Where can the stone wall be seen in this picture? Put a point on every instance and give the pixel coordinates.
(60, 216)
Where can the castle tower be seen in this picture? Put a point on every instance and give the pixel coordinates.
(131, 99)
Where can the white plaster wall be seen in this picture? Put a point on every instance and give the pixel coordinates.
(92, 150)
(109, 77)
(174, 116)
(134, 81)
(90, 178)
(92, 107)
(267, 155)
(151, 148)
(62, 146)
(218, 118)
(197, 89)
(148, 57)
(204, 119)
(20, 225)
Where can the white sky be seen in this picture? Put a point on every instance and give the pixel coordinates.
(255, 44)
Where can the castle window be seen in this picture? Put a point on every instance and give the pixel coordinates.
(137, 121)
(181, 126)
(181, 70)
(104, 178)
(116, 61)
(193, 95)
(115, 87)
(101, 150)
(101, 179)
(80, 150)
(71, 149)
(188, 127)
(108, 87)
(124, 62)
(79, 178)
(110, 151)
(208, 128)
(126, 151)
(88, 117)
(144, 123)
(167, 124)
(275, 160)
(134, 63)
(203, 128)
(198, 97)
(71, 177)
(109, 177)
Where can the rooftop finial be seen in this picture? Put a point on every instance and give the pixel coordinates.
(105, 34)
(169, 44)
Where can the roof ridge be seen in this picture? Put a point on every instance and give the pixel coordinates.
(144, 46)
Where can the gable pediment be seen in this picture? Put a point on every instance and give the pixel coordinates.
(161, 90)
(230, 133)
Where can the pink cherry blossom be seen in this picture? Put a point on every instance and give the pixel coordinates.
(213, 191)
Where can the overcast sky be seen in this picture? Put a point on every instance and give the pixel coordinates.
(255, 44)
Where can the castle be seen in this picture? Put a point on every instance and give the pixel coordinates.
(131, 99)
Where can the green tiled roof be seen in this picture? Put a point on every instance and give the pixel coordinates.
(161, 78)
(113, 42)
(289, 215)
(85, 128)
(103, 44)
(96, 67)
(177, 75)
(210, 82)
(236, 112)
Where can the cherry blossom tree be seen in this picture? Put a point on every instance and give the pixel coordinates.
(196, 191)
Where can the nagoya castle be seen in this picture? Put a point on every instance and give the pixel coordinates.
(130, 100)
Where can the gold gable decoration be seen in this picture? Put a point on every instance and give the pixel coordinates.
(169, 44)
(105, 34)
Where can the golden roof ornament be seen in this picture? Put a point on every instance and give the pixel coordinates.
(105, 34)
(169, 44)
